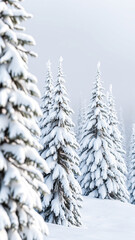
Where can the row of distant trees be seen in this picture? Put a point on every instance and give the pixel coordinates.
(101, 154)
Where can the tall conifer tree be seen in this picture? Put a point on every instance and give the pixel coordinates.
(62, 206)
(46, 106)
(122, 127)
(117, 139)
(81, 121)
(131, 177)
(20, 179)
(100, 174)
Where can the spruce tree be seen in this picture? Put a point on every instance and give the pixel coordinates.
(62, 206)
(79, 125)
(46, 106)
(81, 121)
(46, 123)
(117, 139)
(100, 175)
(21, 181)
(122, 127)
(123, 134)
(131, 177)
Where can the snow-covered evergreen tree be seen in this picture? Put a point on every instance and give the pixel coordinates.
(79, 125)
(81, 121)
(21, 181)
(123, 134)
(117, 139)
(46, 106)
(100, 175)
(62, 206)
(46, 123)
(131, 177)
(122, 127)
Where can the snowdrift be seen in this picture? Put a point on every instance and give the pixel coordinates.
(102, 220)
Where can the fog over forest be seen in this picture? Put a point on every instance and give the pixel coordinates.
(84, 32)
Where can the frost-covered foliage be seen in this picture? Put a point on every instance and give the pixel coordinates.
(62, 206)
(117, 141)
(21, 182)
(131, 177)
(122, 127)
(100, 174)
(81, 121)
(45, 121)
(123, 134)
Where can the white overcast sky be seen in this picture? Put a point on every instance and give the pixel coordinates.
(84, 32)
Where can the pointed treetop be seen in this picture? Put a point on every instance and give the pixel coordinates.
(48, 79)
(48, 64)
(60, 71)
(98, 74)
(61, 59)
(98, 71)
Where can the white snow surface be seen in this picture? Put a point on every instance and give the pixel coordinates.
(102, 220)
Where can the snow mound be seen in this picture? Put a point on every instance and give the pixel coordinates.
(102, 220)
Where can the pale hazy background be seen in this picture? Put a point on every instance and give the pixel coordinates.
(84, 32)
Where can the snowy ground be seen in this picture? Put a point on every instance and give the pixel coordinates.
(102, 220)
